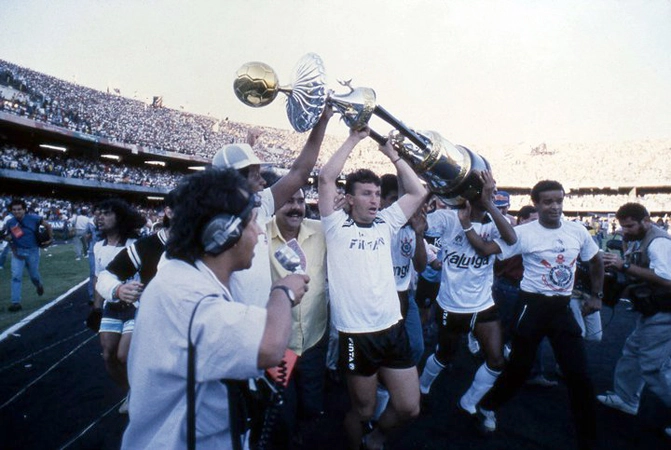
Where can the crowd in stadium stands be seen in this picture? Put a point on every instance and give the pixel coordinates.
(596, 165)
(84, 168)
(115, 172)
(59, 212)
(602, 202)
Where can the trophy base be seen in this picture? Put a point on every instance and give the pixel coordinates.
(470, 187)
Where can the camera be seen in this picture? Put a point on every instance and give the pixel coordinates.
(614, 283)
(643, 300)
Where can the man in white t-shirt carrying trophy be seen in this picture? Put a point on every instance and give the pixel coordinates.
(465, 297)
(364, 303)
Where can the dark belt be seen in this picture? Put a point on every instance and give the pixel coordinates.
(563, 299)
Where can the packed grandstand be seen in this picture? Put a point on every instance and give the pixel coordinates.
(59, 141)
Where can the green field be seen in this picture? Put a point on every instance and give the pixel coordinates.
(59, 271)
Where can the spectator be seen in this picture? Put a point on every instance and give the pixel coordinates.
(23, 228)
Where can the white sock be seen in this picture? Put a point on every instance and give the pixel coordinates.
(382, 398)
(482, 382)
(429, 374)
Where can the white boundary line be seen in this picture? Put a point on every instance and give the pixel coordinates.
(39, 312)
(25, 388)
(91, 425)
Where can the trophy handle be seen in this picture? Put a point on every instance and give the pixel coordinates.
(399, 126)
(377, 137)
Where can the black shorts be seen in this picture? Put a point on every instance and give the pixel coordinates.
(364, 353)
(455, 323)
(426, 292)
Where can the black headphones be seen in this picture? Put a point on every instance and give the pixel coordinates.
(224, 230)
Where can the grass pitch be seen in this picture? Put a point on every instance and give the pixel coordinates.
(60, 272)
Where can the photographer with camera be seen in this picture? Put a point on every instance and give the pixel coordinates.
(192, 332)
(646, 357)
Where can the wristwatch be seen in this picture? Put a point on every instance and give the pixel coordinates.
(625, 266)
(290, 294)
(598, 295)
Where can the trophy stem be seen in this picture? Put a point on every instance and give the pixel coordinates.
(377, 137)
(407, 132)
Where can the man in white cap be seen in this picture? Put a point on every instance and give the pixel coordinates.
(251, 286)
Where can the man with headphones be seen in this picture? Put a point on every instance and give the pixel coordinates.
(250, 286)
(191, 331)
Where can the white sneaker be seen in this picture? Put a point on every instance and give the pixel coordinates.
(123, 409)
(612, 400)
(487, 420)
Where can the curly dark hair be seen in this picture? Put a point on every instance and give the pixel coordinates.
(544, 186)
(360, 176)
(128, 220)
(634, 211)
(199, 198)
(17, 202)
(525, 212)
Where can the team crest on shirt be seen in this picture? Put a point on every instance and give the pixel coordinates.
(406, 247)
(560, 277)
(458, 240)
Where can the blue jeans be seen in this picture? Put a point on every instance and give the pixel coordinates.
(646, 359)
(92, 272)
(413, 327)
(506, 295)
(29, 258)
(304, 396)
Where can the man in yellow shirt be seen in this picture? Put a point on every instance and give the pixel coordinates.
(304, 396)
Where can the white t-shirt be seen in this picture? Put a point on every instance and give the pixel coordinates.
(79, 223)
(432, 238)
(104, 254)
(549, 255)
(360, 271)
(252, 286)
(402, 251)
(659, 253)
(466, 282)
(227, 336)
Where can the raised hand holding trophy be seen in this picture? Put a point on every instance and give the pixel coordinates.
(449, 170)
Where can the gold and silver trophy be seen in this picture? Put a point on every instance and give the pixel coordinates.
(447, 169)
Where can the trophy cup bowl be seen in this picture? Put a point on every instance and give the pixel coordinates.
(256, 84)
(448, 170)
